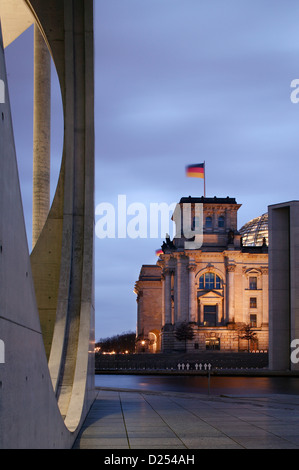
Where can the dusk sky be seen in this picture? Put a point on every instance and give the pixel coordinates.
(177, 82)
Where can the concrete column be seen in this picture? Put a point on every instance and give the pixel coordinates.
(265, 287)
(279, 287)
(192, 300)
(41, 135)
(201, 313)
(177, 292)
(219, 312)
(139, 300)
(167, 296)
(283, 285)
(231, 292)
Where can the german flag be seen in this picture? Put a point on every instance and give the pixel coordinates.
(196, 171)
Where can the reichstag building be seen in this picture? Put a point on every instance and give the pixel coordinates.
(218, 290)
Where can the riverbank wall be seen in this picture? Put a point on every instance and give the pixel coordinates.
(181, 362)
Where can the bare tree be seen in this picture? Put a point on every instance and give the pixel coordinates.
(246, 332)
(184, 332)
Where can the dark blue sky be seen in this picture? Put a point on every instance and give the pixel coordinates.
(177, 82)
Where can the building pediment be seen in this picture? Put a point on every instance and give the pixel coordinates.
(251, 271)
(210, 293)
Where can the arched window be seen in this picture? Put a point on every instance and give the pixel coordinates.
(221, 221)
(209, 281)
(208, 222)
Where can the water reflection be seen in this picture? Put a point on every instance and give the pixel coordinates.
(190, 384)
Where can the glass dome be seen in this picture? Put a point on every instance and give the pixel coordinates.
(254, 231)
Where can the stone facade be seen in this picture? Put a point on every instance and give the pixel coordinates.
(215, 289)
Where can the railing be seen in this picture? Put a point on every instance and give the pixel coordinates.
(150, 362)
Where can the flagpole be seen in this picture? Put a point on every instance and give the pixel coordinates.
(204, 181)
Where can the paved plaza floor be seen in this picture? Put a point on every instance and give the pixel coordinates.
(121, 419)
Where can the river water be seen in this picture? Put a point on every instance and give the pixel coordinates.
(200, 384)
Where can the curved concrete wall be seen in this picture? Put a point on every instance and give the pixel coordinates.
(47, 301)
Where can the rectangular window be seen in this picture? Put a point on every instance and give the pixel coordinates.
(210, 315)
(221, 222)
(208, 222)
(253, 320)
(253, 302)
(253, 283)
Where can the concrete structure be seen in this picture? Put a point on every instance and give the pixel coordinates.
(47, 299)
(216, 288)
(41, 135)
(283, 284)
